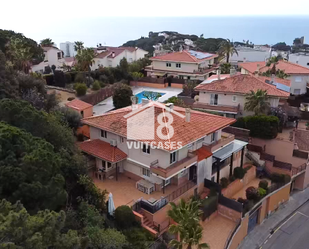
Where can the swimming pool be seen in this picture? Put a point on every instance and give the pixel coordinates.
(140, 96)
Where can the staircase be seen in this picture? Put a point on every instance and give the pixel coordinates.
(147, 222)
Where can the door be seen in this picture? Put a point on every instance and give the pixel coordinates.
(192, 173)
(253, 220)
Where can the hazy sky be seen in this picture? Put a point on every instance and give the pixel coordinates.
(90, 20)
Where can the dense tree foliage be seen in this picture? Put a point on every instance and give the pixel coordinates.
(47, 42)
(36, 51)
(122, 95)
(257, 102)
(209, 44)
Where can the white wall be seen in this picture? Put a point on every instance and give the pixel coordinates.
(185, 67)
(204, 168)
(250, 56)
(50, 58)
(227, 99)
(299, 82)
(299, 59)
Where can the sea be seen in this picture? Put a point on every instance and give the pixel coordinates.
(114, 31)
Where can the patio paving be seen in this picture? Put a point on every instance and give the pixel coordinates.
(217, 231)
(254, 183)
(107, 104)
(125, 192)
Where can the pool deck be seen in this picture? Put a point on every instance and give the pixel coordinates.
(107, 104)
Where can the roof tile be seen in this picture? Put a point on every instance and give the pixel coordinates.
(77, 104)
(181, 56)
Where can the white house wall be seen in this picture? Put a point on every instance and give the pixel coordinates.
(302, 85)
(185, 67)
(299, 59)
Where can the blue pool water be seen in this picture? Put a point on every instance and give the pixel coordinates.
(140, 96)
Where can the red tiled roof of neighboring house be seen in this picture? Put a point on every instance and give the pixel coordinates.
(182, 56)
(202, 72)
(77, 104)
(202, 153)
(70, 61)
(110, 50)
(242, 84)
(277, 80)
(201, 124)
(288, 67)
(116, 52)
(131, 49)
(103, 150)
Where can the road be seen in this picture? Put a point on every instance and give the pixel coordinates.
(293, 233)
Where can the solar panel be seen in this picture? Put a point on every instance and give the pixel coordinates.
(199, 55)
(283, 87)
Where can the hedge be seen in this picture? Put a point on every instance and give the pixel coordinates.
(261, 126)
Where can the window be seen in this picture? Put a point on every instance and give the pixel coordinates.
(103, 165)
(109, 165)
(213, 137)
(168, 65)
(146, 172)
(178, 65)
(188, 77)
(181, 77)
(296, 91)
(234, 98)
(297, 79)
(82, 113)
(59, 55)
(308, 64)
(103, 134)
(121, 139)
(146, 148)
(214, 99)
(173, 157)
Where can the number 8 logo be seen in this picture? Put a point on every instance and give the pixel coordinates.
(167, 125)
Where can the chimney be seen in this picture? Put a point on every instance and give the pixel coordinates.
(170, 106)
(113, 54)
(134, 101)
(232, 71)
(258, 67)
(219, 74)
(188, 114)
(273, 78)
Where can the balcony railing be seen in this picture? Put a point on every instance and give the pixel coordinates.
(174, 168)
(301, 168)
(225, 139)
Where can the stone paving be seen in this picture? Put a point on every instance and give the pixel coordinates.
(261, 232)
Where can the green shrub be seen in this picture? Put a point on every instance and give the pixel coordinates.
(262, 192)
(239, 173)
(102, 84)
(224, 182)
(240, 123)
(124, 217)
(263, 184)
(79, 78)
(232, 178)
(280, 178)
(122, 95)
(252, 193)
(213, 192)
(96, 85)
(80, 88)
(68, 78)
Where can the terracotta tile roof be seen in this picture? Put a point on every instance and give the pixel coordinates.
(110, 50)
(220, 108)
(302, 139)
(77, 104)
(201, 124)
(103, 150)
(241, 84)
(181, 56)
(202, 72)
(277, 80)
(203, 153)
(288, 67)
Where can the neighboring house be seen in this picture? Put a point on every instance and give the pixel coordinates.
(186, 64)
(68, 49)
(300, 59)
(52, 56)
(205, 153)
(298, 75)
(85, 110)
(111, 56)
(228, 95)
(248, 54)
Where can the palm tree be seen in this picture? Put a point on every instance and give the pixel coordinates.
(257, 102)
(47, 42)
(19, 54)
(78, 45)
(85, 58)
(187, 216)
(227, 48)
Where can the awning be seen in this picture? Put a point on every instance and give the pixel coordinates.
(159, 73)
(227, 151)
